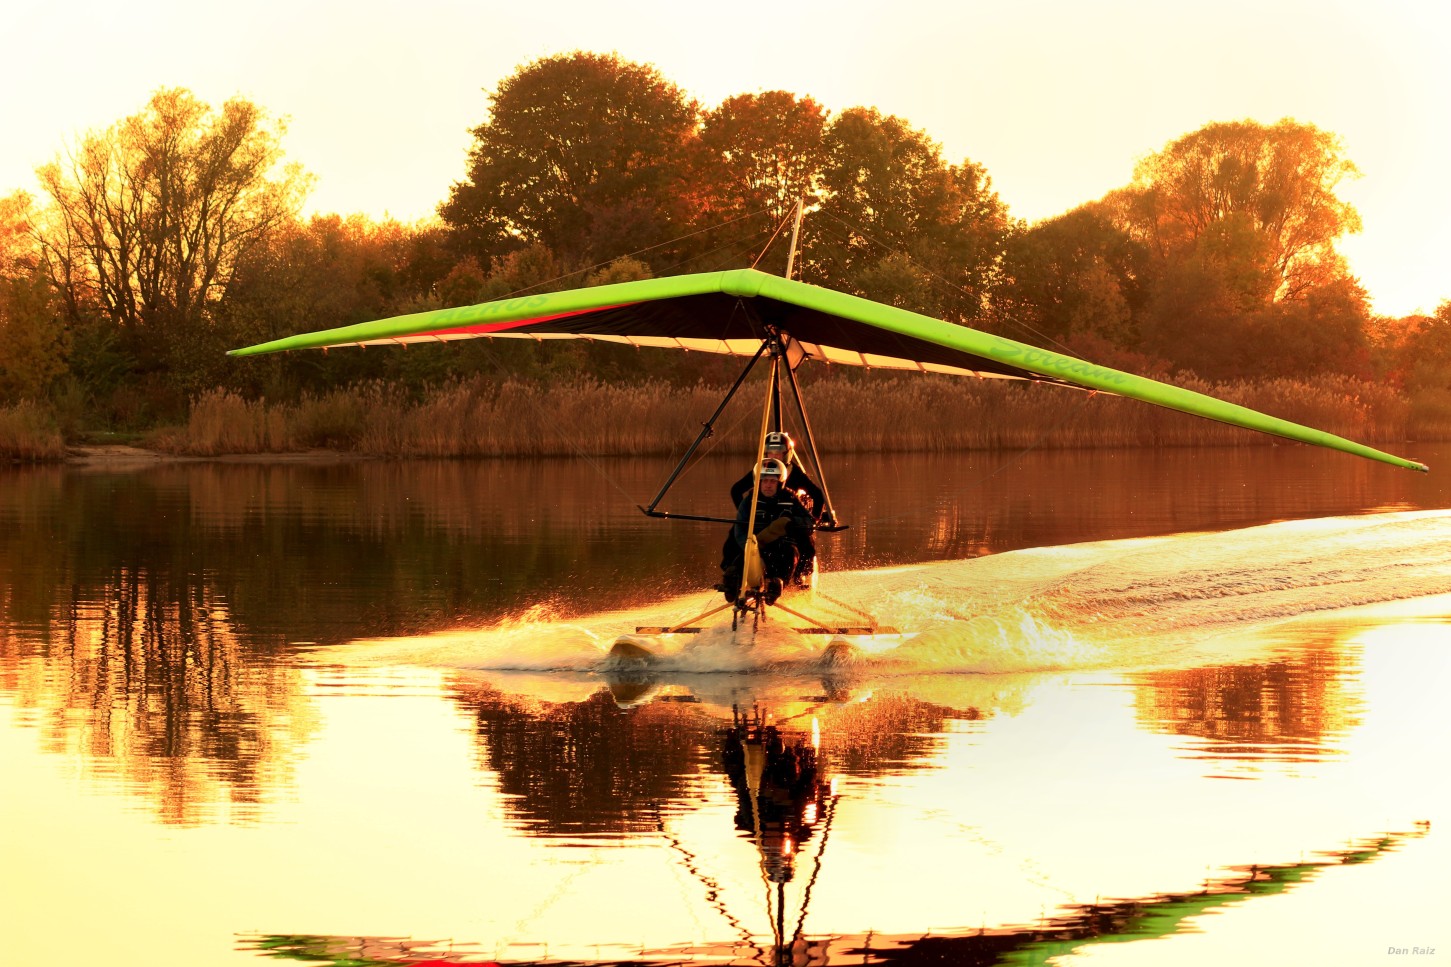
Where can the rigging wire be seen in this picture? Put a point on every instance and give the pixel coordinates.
(816, 870)
(640, 251)
(774, 235)
(712, 888)
(743, 244)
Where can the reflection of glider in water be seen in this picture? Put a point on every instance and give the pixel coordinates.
(748, 313)
(784, 795)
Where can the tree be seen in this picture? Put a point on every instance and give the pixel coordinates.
(149, 219)
(1075, 275)
(890, 197)
(34, 341)
(329, 271)
(1258, 200)
(582, 153)
(755, 154)
(17, 253)
(1416, 351)
(759, 151)
(1198, 319)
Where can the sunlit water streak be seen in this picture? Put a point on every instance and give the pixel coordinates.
(1144, 603)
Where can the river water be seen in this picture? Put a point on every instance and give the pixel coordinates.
(1146, 707)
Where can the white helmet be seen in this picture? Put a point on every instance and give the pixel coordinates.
(773, 470)
(782, 444)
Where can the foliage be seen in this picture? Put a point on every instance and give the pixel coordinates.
(1259, 200)
(1075, 275)
(150, 218)
(328, 271)
(754, 157)
(1415, 352)
(17, 251)
(900, 225)
(173, 236)
(758, 151)
(582, 153)
(33, 340)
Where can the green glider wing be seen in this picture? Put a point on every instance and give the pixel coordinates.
(731, 312)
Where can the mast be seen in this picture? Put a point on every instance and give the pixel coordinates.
(795, 234)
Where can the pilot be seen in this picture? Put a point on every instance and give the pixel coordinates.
(779, 446)
(781, 524)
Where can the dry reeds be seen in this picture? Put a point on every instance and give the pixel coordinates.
(28, 433)
(915, 414)
(223, 422)
(516, 418)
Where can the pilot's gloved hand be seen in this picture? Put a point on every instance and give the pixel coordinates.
(773, 531)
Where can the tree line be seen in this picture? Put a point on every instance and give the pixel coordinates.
(156, 244)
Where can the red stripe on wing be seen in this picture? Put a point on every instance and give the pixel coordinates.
(484, 328)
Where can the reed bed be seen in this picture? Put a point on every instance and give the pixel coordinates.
(517, 418)
(28, 433)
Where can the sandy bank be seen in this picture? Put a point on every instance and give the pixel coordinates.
(122, 457)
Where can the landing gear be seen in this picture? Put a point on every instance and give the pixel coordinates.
(752, 602)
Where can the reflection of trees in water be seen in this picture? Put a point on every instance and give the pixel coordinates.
(592, 767)
(421, 545)
(588, 768)
(426, 544)
(145, 680)
(1290, 707)
(890, 733)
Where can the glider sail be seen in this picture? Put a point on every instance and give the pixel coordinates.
(733, 311)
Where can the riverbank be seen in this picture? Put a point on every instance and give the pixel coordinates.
(124, 457)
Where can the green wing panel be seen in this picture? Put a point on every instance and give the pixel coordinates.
(1066, 368)
(705, 311)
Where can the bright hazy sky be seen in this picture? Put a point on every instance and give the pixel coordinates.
(1057, 98)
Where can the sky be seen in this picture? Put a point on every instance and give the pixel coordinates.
(1058, 99)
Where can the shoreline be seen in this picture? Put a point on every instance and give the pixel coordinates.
(115, 456)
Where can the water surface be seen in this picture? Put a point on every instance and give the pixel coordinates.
(359, 713)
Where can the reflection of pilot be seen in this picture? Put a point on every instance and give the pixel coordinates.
(778, 785)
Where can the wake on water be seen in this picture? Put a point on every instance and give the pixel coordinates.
(1142, 603)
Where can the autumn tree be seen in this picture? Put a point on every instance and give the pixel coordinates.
(753, 158)
(759, 151)
(322, 273)
(149, 219)
(34, 342)
(901, 225)
(1257, 199)
(1074, 276)
(1415, 352)
(582, 153)
(1240, 221)
(17, 251)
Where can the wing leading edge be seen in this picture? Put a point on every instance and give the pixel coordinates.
(731, 311)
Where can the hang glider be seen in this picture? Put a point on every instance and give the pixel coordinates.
(735, 312)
